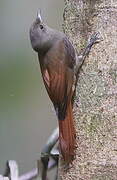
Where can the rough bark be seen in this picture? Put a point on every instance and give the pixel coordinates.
(95, 110)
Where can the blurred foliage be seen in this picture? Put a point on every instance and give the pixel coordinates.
(24, 105)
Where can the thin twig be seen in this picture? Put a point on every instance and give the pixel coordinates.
(30, 175)
(45, 154)
(43, 163)
(14, 172)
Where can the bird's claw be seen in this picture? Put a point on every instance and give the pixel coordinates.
(95, 38)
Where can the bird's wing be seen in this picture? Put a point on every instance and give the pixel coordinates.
(59, 86)
(59, 77)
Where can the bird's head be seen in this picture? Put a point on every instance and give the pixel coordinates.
(41, 35)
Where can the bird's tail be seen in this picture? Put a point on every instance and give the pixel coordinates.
(67, 135)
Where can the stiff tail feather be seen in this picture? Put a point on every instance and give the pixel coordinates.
(67, 135)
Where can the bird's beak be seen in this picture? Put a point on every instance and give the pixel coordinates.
(39, 18)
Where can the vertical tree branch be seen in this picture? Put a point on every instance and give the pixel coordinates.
(95, 109)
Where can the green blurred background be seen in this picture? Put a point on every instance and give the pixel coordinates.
(26, 114)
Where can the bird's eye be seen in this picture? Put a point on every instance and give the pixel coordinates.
(41, 26)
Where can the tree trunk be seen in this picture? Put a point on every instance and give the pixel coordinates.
(95, 109)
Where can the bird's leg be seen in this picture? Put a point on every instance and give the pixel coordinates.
(95, 38)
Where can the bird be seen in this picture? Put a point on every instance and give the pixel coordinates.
(57, 60)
